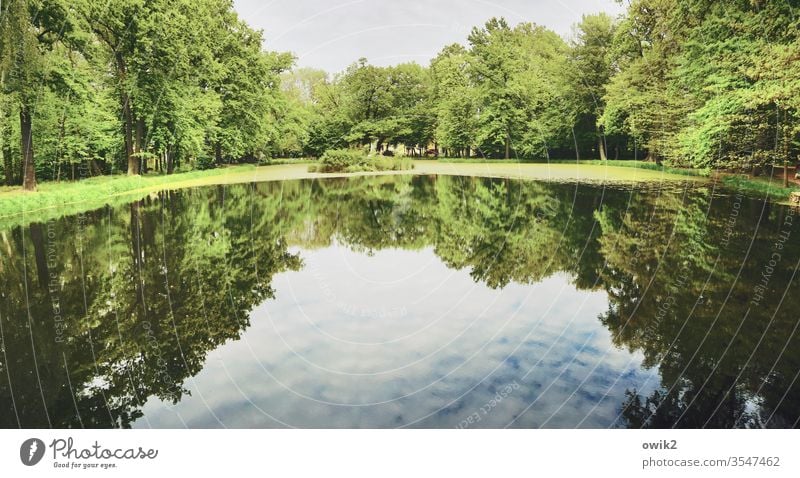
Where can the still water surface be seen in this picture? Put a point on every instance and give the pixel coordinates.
(405, 302)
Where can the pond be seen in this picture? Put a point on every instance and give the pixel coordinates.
(405, 301)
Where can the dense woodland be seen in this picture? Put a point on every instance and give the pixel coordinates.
(157, 86)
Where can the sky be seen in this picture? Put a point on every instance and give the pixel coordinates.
(331, 34)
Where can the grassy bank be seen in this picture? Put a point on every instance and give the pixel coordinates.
(592, 162)
(595, 172)
(63, 194)
(765, 188)
(54, 200)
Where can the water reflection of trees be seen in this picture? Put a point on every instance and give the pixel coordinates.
(148, 290)
(145, 292)
(682, 296)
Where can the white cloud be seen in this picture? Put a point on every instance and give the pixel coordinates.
(331, 34)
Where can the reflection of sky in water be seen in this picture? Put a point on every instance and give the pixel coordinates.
(398, 339)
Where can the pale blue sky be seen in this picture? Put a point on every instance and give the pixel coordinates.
(331, 34)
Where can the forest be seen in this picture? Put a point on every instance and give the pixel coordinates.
(90, 88)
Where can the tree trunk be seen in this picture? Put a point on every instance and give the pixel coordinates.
(8, 164)
(170, 161)
(508, 145)
(139, 146)
(127, 118)
(26, 147)
(127, 125)
(575, 141)
(785, 174)
(601, 144)
(653, 157)
(95, 168)
(218, 152)
(61, 134)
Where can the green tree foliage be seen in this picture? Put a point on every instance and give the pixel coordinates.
(589, 73)
(100, 87)
(29, 31)
(518, 73)
(366, 105)
(704, 83)
(300, 113)
(455, 102)
(97, 87)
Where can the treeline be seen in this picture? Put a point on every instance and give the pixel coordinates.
(693, 83)
(91, 87)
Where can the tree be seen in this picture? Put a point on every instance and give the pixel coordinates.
(366, 101)
(736, 62)
(454, 101)
(300, 110)
(412, 119)
(249, 90)
(28, 29)
(641, 100)
(707, 84)
(518, 75)
(118, 25)
(77, 124)
(590, 72)
(493, 64)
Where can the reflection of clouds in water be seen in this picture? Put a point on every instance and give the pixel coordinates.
(443, 360)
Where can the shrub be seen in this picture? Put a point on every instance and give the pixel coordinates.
(339, 160)
(353, 161)
(392, 164)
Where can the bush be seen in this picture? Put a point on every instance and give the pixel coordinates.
(339, 160)
(353, 161)
(205, 162)
(392, 164)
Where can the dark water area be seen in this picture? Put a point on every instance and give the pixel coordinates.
(432, 302)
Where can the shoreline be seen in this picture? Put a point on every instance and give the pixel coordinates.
(60, 199)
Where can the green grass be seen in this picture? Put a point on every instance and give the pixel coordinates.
(383, 163)
(442, 159)
(559, 172)
(276, 161)
(98, 190)
(650, 166)
(53, 200)
(596, 162)
(761, 187)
